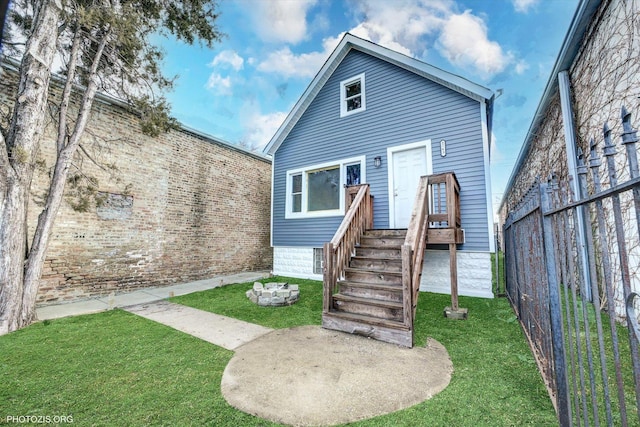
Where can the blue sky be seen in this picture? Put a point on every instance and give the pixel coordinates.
(243, 88)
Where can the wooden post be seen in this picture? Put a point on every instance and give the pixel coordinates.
(407, 293)
(454, 312)
(453, 271)
(328, 277)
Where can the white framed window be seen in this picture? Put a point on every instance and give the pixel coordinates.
(296, 192)
(318, 190)
(352, 95)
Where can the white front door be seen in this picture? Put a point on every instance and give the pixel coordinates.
(407, 165)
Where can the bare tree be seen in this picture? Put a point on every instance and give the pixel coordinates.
(103, 46)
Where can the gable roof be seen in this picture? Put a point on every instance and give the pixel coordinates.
(350, 42)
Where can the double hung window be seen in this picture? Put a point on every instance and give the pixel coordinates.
(318, 190)
(352, 96)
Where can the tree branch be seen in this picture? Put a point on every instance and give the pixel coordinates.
(68, 87)
(89, 95)
(5, 166)
(86, 153)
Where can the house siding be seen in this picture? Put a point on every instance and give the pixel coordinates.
(401, 108)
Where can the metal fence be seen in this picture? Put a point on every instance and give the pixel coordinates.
(569, 265)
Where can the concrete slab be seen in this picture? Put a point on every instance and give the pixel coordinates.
(130, 298)
(222, 331)
(309, 376)
(71, 309)
(142, 296)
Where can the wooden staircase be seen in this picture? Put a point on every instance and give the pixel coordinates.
(372, 277)
(369, 300)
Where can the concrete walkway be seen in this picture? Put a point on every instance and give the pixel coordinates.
(220, 330)
(143, 296)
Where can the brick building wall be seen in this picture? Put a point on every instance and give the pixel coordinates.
(604, 77)
(175, 208)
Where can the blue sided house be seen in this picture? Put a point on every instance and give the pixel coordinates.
(381, 176)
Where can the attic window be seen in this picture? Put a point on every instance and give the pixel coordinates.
(352, 95)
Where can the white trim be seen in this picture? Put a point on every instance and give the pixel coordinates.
(487, 175)
(342, 163)
(273, 174)
(390, 151)
(343, 99)
(348, 42)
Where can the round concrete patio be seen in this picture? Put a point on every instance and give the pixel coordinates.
(309, 376)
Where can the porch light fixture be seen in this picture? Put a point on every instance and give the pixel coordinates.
(377, 161)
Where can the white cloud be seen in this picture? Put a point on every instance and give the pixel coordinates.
(228, 57)
(397, 25)
(218, 84)
(521, 66)
(225, 60)
(400, 25)
(280, 20)
(287, 64)
(408, 27)
(380, 35)
(464, 42)
(260, 128)
(523, 6)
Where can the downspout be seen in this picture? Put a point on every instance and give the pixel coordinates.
(486, 118)
(570, 139)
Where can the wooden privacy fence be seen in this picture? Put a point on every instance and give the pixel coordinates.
(569, 263)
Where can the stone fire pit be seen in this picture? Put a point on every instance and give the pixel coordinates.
(273, 294)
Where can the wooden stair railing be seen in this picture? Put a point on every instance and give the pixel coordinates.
(444, 209)
(444, 223)
(338, 252)
(437, 203)
(370, 293)
(413, 251)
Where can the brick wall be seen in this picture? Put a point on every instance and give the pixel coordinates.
(175, 208)
(604, 77)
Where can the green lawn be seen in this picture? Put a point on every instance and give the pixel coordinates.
(115, 368)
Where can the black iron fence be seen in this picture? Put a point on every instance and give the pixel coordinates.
(571, 267)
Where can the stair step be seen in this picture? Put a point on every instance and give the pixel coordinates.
(381, 241)
(372, 276)
(368, 320)
(378, 329)
(371, 291)
(369, 301)
(375, 263)
(389, 310)
(376, 252)
(397, 232)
